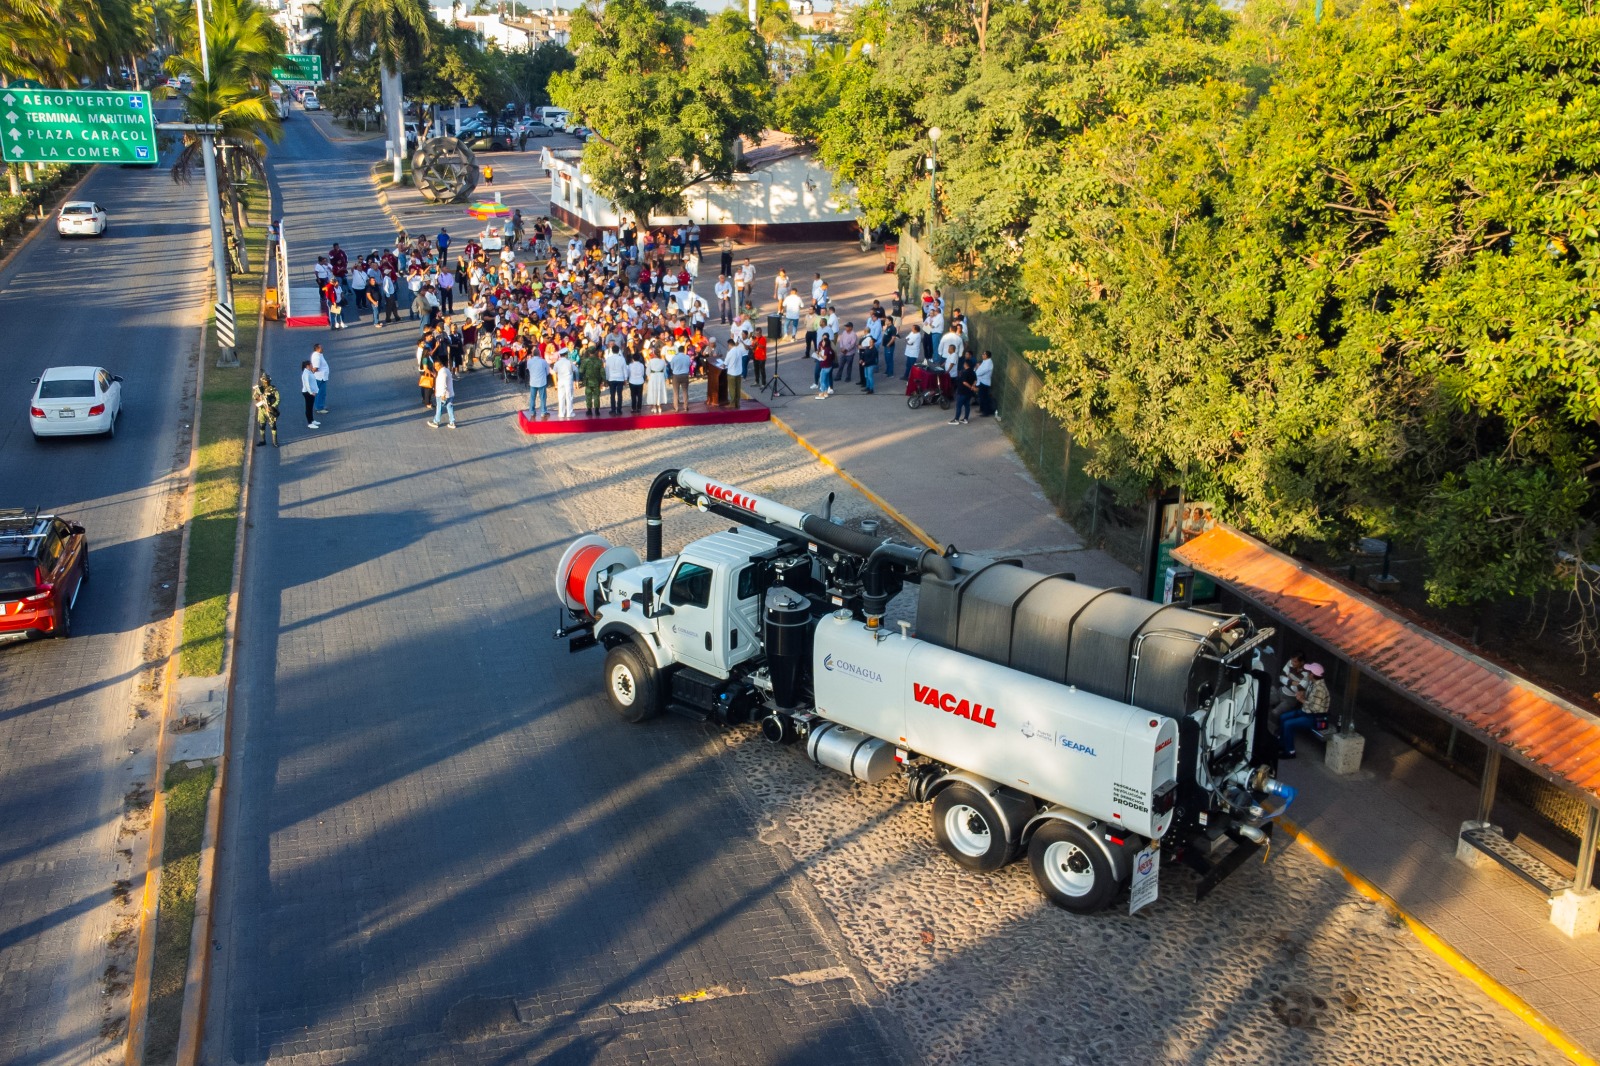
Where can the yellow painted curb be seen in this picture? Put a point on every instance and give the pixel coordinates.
(1451, 957)
(884, 505)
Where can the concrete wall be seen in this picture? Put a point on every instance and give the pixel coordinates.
(790, 199)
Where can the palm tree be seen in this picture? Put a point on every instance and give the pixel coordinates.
(322, 22)
(243, 45)
(398, 31)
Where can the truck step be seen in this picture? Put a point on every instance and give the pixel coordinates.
(1539, 874)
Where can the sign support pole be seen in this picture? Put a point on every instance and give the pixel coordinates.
(226, 356)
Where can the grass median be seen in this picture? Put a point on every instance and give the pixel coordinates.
(185, 792)
(224, 436)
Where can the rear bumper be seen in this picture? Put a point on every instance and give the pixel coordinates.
(70, 427)
(22, 620)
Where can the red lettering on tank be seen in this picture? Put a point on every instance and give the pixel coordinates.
(950, 703)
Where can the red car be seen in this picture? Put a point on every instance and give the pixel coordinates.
(44, 561)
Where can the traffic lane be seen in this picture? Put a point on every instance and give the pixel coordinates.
(130, 301)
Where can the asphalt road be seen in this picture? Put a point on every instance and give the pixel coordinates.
(132, 302)
(439, 844)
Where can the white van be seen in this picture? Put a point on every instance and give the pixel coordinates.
(554, 117)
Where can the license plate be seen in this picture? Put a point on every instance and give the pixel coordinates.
(66, 412)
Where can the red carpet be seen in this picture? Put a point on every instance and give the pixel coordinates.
(306, 322)
(697, 415)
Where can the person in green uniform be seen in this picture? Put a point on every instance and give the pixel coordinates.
(593, 372)
(266, 398)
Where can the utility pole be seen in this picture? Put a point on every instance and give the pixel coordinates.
(226, 355)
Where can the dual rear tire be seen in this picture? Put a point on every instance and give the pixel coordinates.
(1070, 868)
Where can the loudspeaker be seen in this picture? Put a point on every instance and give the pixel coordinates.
(774, 327)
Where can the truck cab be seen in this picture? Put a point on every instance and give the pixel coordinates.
(702, 609)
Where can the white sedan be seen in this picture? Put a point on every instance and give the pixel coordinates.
(81, 218)
(75, 401)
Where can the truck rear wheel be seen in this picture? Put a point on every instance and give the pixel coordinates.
(969, 828)
(1070, 868)
(632, 684)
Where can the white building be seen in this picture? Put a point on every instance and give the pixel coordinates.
(780, 193)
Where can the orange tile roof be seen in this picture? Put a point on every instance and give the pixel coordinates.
(1551, 736)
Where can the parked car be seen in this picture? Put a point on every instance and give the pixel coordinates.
(44, 561)
(583, 133)
(535, 128)
(185, 83)
(490, 139)
(75, 401)
(81, 218)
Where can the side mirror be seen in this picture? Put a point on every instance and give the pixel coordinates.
(35, 381)
(116, 377)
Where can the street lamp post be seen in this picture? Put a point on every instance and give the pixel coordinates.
(226, 356)
(933, 177)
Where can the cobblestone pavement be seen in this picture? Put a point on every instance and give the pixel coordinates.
(78, 716)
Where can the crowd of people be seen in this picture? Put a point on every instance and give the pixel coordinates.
(618, 314)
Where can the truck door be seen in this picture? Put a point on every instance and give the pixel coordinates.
(695, 625)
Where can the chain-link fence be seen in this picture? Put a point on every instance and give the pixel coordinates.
(1056, 461)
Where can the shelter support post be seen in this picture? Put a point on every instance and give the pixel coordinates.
(1576, 912)
(1465, 852)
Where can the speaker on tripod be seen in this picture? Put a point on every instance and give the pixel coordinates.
(777, 387)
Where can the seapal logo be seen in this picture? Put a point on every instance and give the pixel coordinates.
(1072, 745)
(723, 494)
(973, 712)
(829, 663)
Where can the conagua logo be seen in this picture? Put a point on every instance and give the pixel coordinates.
(961, 708)
(831, 664)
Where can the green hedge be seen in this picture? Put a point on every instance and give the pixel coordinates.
(16, 210)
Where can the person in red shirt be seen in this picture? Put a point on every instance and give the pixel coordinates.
(758, 361)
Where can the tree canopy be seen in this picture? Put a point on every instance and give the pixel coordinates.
(1338, 278)
(666, 96)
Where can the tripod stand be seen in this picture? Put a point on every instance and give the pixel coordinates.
(776, 386)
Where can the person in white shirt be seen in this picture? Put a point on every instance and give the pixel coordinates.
(986, 385)
(913, 351)
(444, 394)
(723, 290)
(748, 272)
(933, 326)
(951, 349)
(636, 374)
(324, 275)
(308, 391)
(791, 314)
(616, 377)
(818, 288)
(564, 371)
(319, 367)
(733, 370)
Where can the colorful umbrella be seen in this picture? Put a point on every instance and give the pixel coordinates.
(485, 210)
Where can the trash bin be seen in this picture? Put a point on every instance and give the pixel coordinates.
(774, 327)
(270, 306)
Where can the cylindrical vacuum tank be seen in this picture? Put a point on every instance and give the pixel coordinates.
(788, 640)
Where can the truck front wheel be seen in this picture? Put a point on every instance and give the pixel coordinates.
(632, 684)
(1070, 868)
(969, 828)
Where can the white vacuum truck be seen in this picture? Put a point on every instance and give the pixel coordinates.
(1093, 730)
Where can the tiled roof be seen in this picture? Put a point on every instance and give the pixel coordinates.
(1549, 735)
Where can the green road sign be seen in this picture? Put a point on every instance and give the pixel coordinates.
(298, 68)
(76, 126)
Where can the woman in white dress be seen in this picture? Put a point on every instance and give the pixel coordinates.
(655, 382)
